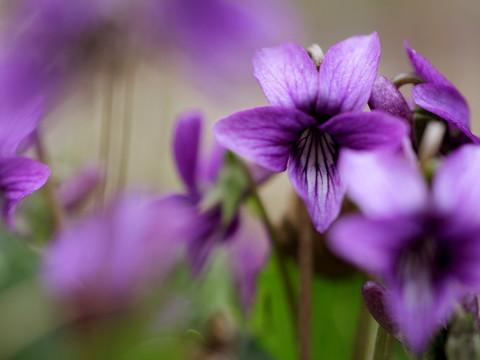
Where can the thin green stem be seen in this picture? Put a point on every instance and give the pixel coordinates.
(383, 345)
(281, 260)
(362, 338)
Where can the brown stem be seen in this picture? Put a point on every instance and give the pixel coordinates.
(127, 127)
(56, 209)
(305, 311)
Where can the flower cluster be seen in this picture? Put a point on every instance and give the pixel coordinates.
(420, 237)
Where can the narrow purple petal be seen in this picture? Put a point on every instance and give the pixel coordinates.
(287, 76)
(386, 97)
(455, 186)
(373, 130)
(384, 185)
(447, 103)
(186, 146)
(377, 297)
(16, 126)
(19, 178)
(315, 177)
(74, 192)
(424, 68)
(263, 135)
(348, 73)
(371, 245)
(248, 248)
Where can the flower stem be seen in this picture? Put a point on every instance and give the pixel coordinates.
(383, 345)
(281, 260)
(362, 338)
(129, 99)
(56, 209)
(407, 78)
(105, 134)
(305, 311)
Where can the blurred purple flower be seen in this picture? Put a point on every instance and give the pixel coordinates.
(424, 243)
(220, 36)
(19, 176)
(44, 43)
(75, 192)
(441, 98)
(244, 240)
(314, 114)
(106, 261)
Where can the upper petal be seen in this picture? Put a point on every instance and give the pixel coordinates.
(263, 135)
(386, 97)
(367, 130)
(424, 68)
(455, 186)
(16, 126)
(315, 177)
(447, 103)
(384, 185)
(186, 146)
(287, 76)
(348, 73)
(20, 177)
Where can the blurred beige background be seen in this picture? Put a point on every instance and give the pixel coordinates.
(444, 31)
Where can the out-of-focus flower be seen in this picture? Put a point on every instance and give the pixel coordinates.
(218, 36)
(77, 190)
(314, 115)
(424, 243)
(45, 43)
(107, 261)
(19, 176)
(244, 240)
(441, 98)
(386, 97)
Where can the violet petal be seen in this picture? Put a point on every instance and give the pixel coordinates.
(424, 68)
(186, 146)
(263, 135)
(384, 185)
(367, 130)
(369, 244)
(386, 97)
(348, 73)
(20, 177)
(315, 177)
(16, 126)
(455, 186)
(288, 76)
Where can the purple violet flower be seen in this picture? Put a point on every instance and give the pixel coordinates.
(314, 114)
(244, 239)
(440, 97)
(423, 242)
(106, 261)
(19, 176)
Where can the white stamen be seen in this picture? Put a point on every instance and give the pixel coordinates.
(316, 54)
(431, 140)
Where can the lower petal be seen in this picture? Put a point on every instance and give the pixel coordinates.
(19, 178)
(315, 177)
